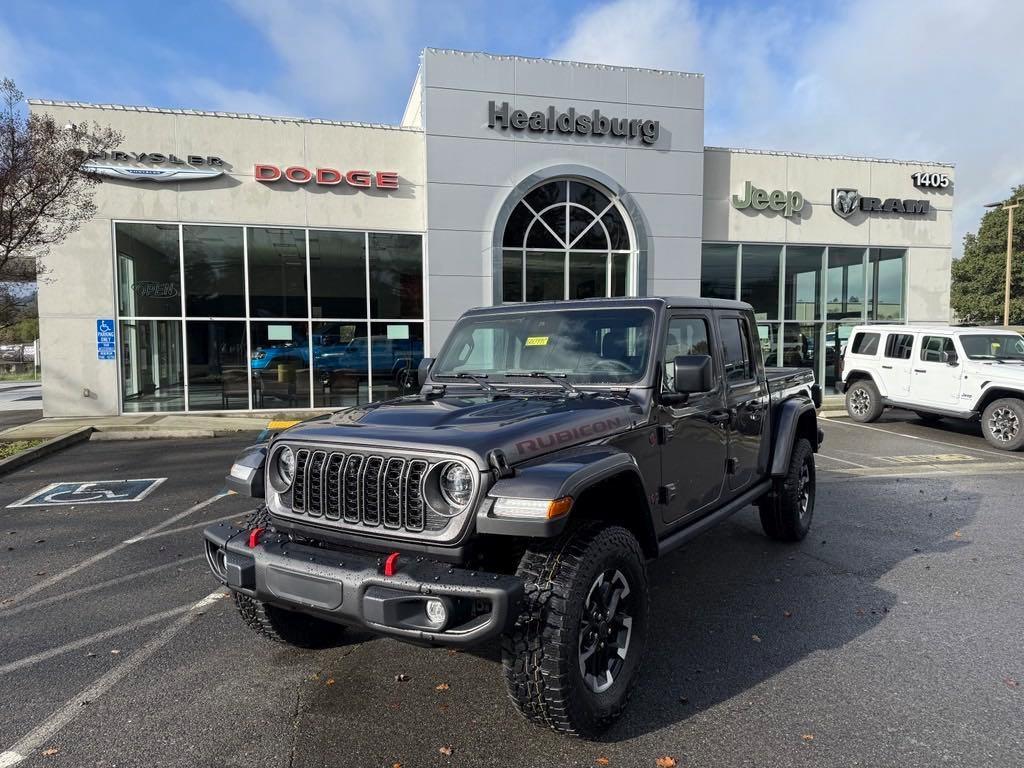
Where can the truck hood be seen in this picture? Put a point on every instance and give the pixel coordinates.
(474, 425)
(989, 371)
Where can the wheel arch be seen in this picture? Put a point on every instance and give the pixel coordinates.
(859, 374)
(990, 395)
(797, 419)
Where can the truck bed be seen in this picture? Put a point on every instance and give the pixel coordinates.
(784, 382)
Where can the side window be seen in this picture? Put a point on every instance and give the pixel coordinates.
(736, 358)
(934, 349)
(686, 336)
(865, 344)
(899, 345)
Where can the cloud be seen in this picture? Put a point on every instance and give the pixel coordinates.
(933, 81)
(351, 61)
(209, 94)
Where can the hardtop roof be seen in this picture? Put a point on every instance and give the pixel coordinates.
(653, 302)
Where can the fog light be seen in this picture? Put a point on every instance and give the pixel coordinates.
(437, 613)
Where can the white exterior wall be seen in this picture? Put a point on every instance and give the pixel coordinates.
(927, 238)
(472, 168)
(80, 287)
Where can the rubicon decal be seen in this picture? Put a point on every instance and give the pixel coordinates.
(298, 174)
(567, 436)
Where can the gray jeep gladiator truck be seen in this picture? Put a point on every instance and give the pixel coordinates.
(552, 449)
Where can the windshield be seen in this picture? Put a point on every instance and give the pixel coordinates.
(583, 346)
(993, 346)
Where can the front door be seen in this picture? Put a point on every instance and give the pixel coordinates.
(746, 400)
(693, 434)
(935, 382)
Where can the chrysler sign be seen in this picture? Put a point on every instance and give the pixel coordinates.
(153, 166)
(592, 123)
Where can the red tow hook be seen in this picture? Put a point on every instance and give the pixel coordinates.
(254, 537)
(391, 564)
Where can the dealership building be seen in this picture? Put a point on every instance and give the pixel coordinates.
(246, 262)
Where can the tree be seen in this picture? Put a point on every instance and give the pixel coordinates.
(979, 276)
(45, 194)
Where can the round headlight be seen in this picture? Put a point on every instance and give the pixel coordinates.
(456, 484)
(286, 465)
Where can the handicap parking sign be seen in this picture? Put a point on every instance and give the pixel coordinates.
(106, 344)
(90, 492)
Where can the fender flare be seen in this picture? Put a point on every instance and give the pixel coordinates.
(865, 374)
(790, 413)
(567, 473)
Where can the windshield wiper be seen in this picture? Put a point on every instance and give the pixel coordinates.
(555, 378)
(479, 378)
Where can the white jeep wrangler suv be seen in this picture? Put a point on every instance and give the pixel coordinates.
(939, 372)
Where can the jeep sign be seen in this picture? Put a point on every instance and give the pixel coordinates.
(787, 203)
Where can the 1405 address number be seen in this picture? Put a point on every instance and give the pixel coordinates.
(928, 179)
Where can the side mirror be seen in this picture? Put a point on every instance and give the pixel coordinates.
(950, 358)
(692, 374)
(423, 370)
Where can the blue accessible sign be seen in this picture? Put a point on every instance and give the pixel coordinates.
(106, 343)
(90, 492)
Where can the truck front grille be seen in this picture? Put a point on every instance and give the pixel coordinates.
(362, 489)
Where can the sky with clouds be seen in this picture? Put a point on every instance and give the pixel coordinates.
(934, 80)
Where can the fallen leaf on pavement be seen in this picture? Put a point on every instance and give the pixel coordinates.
(115, 652)
(755, 638)
(601, 761)
(666, 762)
(51, 751)
(446, 751)
(1011, 682)
(442, 687)
(396, 765)
(402, 678)
(330, 681)
(808, 737)
(957, 534)
(787, 614)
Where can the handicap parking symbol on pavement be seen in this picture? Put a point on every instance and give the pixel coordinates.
(90, 492)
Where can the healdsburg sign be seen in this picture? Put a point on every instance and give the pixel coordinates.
(592, 123)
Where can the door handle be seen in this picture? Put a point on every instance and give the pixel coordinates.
(920, 370)
(887, 367)
(719, 417)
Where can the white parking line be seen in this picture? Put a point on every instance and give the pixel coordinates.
(57, 577)
(33, 740)
(95, 587)
(844, 461)
(184, 528)
(1001, 454)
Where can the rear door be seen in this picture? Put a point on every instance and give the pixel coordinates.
(693, 434)
(746, 393)
(896, 364)
(935, 382)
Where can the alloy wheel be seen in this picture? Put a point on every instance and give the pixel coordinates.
(605, 630)
(860, 401)
(1003, 424)
(804, 490)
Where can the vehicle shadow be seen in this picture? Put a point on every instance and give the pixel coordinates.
(733, 609)
(965, 427)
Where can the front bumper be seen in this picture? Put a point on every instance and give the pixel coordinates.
(349, 587)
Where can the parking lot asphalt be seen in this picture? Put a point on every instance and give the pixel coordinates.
(889, 637)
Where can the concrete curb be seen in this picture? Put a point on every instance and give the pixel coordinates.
(44, 449)
(153, 434)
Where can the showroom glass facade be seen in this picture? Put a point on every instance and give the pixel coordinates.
(807, 298)
(218, 317)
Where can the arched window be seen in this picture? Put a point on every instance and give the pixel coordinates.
(566, 239)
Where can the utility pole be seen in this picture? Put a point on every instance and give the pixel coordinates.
(1009, 208)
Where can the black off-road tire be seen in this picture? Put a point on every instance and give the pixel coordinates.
(277, 624)
(541, 656)
(787, 511)
(863, 402)
(1002, 424)
(930, 418)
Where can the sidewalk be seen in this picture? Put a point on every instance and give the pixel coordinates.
(151, 425)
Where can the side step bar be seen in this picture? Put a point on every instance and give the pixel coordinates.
(680, 537)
